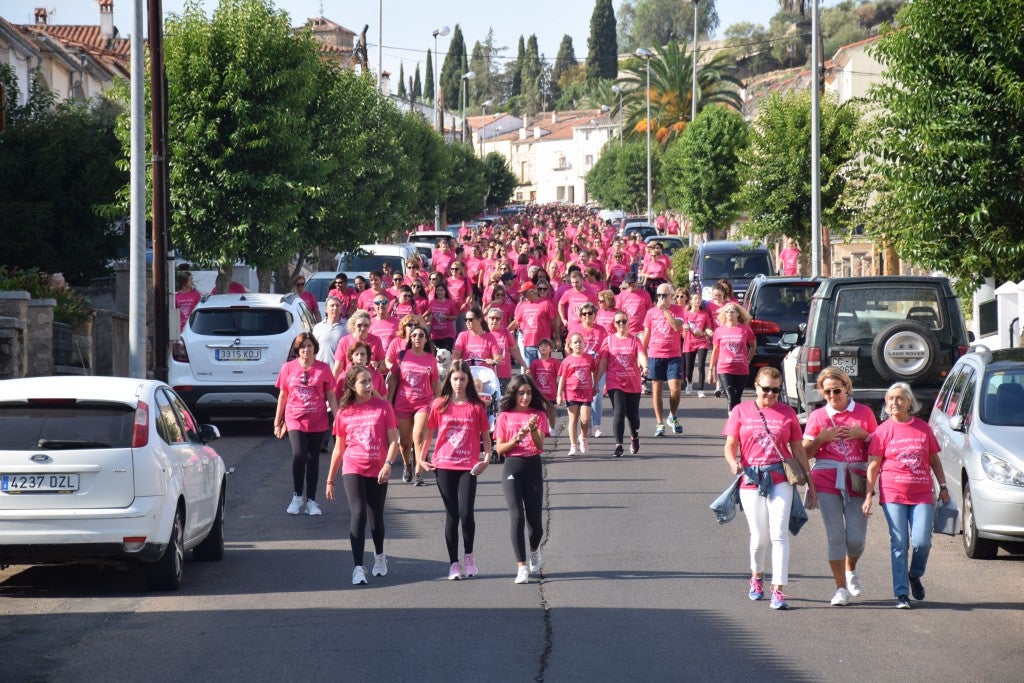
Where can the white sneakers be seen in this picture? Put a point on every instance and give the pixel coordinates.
(689, 388)
(597, 433)
(455, 572)
(300, 506)
(312, 508)
(522, 575)
(841, 598)
(700, 394)
(535, 561)
(358, 576)
(380, 565)
(853, 584)
(295, 507)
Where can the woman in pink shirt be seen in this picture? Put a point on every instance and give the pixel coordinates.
(186, 298)
(734, 344)
(476, 344)
(359, 330)
(443, 313)
(508, 350)
(306, 390)
(519, 436)
(760, 434)
(622, 362)
(697, 331)
(460, 419)
(359, 355)
(364, 451)
(412, 387)
(903, 456)
(299, 288)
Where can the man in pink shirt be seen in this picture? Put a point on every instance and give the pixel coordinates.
(570, 302)
(634, 301)
(663, 343)
(535, 319)
(442, 258)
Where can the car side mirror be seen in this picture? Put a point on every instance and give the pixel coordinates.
(970, 336)
(956, 423)
(208, 433)
(790, 339)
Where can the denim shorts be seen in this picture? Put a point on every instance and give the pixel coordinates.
(663, 369)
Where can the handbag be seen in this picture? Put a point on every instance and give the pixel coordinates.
(858, 483)
(795, 474)
(945, 518)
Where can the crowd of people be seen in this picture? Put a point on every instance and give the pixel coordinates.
(582, 313)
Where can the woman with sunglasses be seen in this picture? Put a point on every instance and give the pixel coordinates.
(358, 330)
(383, 324)
(442, 312)
(412, 387)
(404, 304)
(420, 300)
(759, 435)
(593, 337)
(460, 419)
(460, 290)
(837, 436)
(622, 365)
(656, 268)
(376, 290)
(519, 435)
(733, 346)
(508, 350)
(305, 392)
(401, 339)
(660, 339)
(476, 344)
(299, 288)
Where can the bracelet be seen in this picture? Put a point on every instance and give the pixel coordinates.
(330, 483)
(389, 463)
(943, 486)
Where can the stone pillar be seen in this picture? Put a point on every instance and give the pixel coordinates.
(110, 344)
(83, 352)
(15, 305)
(40, 337)
(12, 350)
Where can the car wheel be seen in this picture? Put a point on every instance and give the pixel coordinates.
(904, 351)
(976, 548)
(212, 547)
(165, 574)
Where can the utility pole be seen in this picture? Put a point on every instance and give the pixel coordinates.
(161, 196)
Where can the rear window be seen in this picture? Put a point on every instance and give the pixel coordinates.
(75, 425)
(863, 312)
(364, 263)
(1002, 400)
(319, 287)
(784, 302)
(234, 322)
(735, 265)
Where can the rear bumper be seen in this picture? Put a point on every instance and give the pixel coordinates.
(233, 399)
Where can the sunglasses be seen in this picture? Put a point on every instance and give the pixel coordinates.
(417, 335)
(543, 289)
(469, 320)
(621, 322)
(380, 303)
(830, 392)
(301, 283)
(587, 313)
(663, 296)
(770, 390)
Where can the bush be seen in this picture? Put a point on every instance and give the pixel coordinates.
(681, 260)
(72, 308)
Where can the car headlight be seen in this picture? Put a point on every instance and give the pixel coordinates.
(1000, 471)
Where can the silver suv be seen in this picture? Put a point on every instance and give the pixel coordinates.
(232, 349)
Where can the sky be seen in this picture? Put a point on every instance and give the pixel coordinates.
(408, 24)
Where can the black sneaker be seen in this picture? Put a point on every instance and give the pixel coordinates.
(618, 451)
(418, 481)
(718, 393)
(407, 474)
(903, 602)
(634, 444)
(916, 587)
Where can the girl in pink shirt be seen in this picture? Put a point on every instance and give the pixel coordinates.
(576, 387)
(476, 343)
(544, 371)
(306, 390)
(622, 362)
(734, 344)
(367, 443)
(697, 331)
(412, 386)
(359, 355)
(519, 436)
(460, 419)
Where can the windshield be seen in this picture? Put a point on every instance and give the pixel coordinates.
(739, 265)
(863, 312)
(235, 322)
(1002, 402)
(70, 425)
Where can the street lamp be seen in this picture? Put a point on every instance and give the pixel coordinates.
(617, 90)
(693, 88)
(646, 55)
(443, 31)
(483, 115)
(468, 76)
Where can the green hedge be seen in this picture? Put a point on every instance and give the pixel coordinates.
(72, 308)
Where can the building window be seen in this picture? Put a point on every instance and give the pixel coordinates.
(560, 193)
(590, 160)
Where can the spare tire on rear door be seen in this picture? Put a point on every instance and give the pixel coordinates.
(904, 351)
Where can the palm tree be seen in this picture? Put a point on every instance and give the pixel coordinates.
(671, 83)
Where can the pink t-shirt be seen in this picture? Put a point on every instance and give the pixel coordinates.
(341, 354)
(459, 430)
(592, 339)
(617, 271)
(441, 261)
(366, 297)
(622, 371)
(379, 383)
(185, 302)
(305, 408)
(656, 268)
(385, 329)
(756, 445)
(789, 261)
(732, 343)
(417, 375)
(534, 320)
(606, 319)
(311, 303)
(511, 421)
(545, 374)
(347, 297)
(694, 321)
(578, 374)
(441, 328)
(906, 450)
(458, 290)
(364, 427)
(663, 341)
(570, 304)
(634, 304)
(476, 346)
(503, 340)
(843, 450)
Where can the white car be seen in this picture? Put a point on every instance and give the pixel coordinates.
(232, 349)
(367, 257)
(110, 470)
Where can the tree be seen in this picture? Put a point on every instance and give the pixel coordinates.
(701, 173)
(602, 180)
(517, 69)
(417, 85)
(619, 178)
(530, 76)
(655, 23)
(602, 46)
(428, 165)
(798, 6)
(455, 64)
(777, 166)
(402, 92)
(565, 61)
(467, 184)
(946, 168)
(428, 81)
(501, 181)
(671, 86)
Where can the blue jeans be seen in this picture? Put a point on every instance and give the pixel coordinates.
(909, 526)
(597, 404)
(530, 354)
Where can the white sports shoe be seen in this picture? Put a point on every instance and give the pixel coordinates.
(700, 394)
(295, 507)
(312, 508)
(853, 584)
(842, 597)
(597, 433)
(522, 575)
(535, 561)
(380, 565)
(358, 576)
(689, 388)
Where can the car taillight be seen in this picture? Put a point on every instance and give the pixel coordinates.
(140, 431)
(961, 351)
(179, 352)
(813, 359)
(764, 327)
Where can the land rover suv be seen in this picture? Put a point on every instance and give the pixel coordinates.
(880, 330)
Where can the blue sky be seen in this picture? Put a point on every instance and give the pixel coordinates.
(408, 24)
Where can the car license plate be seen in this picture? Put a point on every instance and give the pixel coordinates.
(238, 354)
(38, 483)
(847, 364)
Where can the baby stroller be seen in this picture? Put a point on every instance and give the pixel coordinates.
(486, 381)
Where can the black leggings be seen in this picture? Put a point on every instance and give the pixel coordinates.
(458, 491)
(695, 359)
(362, 493)
(624, 405)
(733, 386)
(305, 460)
(522, 480)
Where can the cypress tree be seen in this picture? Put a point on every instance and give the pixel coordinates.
(428, 81)
(602, 46)
(417, 84)
(454, 65)
(402, 94)
(517, 68)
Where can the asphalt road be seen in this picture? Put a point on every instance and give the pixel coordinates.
(639, 583)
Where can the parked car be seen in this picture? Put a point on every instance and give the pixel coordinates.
(778, 305)
(627, 221)
(319, 284)
(232, 349)
(737, 262)
(978, 420)
(367, 257)
(107, 470)
(645, 230)
(880, 330)
(669, 243)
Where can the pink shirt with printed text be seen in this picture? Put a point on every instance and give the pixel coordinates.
(663, 341)
(622, 371)
(459, 430)
(843, 450)
(732, 343)
(534, 320)
(578, 373)
(417, 375)
(477, 346)
(545, 375)
(757, 446)
(364, 427)
(305, 408)
(511, 421)
(906, 450)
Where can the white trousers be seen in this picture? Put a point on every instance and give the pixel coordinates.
(768, 519)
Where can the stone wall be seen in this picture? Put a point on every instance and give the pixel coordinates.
(13, 346)
(39, 328)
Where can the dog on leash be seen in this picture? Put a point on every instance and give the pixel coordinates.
(444, 361)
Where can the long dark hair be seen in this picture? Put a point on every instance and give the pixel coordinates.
(348, 393)
(537, 400)
(446, 387)
(427, 346)
(480, 317)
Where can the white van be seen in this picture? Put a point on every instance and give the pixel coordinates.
(367, 257)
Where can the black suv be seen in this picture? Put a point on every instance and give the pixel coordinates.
(778, 305)
(880, 330)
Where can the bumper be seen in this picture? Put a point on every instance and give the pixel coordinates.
(230, 399)
(998, 510)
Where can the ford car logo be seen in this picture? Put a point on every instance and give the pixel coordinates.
(41, 458)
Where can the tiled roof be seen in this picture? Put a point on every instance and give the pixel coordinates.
(89, 37)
